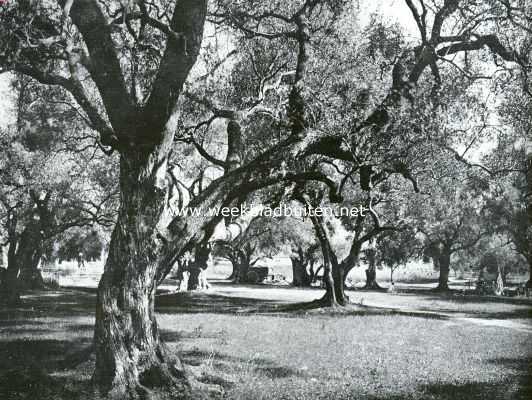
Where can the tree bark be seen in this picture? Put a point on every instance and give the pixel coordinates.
(529, 260)
(30, 277)
(3, 272)
(243, 269)
(338, 273)
(193, 279)
(329, 299)
(10, 294)
(240, 267)
(234, 272)
(371, 279)
(300, 275)
(9, 289)
(529, 207)
(28, 257)
(330, 263)
(23, 260)
(444, 262)
(131, 360)
(349, 262)
(201, 257)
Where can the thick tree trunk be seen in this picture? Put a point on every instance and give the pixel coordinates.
(131, 361)
(371, 271)
(348, 264)
(30, 276)
(300, 275)
(330, 263)
(338, 273)
(371, 279)
(23, 261)
(193, 279)
(10, 294)
(444, 263)
(234, 272)
(201, 258)
(329, 299)
(241, 268)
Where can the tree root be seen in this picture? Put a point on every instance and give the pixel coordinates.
(162, 382)
(373, 286)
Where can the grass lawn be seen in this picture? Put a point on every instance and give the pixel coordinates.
(359, 353)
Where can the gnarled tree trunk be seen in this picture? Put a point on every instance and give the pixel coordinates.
(371, 279)
(338, 273)
(201, 257)
(241, 265)
(330, 265)
(329, 298)
(234, 272)
(444, 262)
(24, 255)
(131, 361)
(300, 275)
(28, 257)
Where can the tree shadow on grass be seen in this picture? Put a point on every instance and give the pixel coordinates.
(516, 387)
(508, 388)
(209, 303)
(42, 368)
(522, 368)
(33, 363)
(202, 302)
(475, 391)
(53, 355)
(260, 366)
(56, 303)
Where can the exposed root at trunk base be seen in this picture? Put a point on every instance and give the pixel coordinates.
(163, 377)
(326, 301)
(310, 305)
(204, 380)
(162, 382)
(441, 289)
(373, 286)
(323, 302)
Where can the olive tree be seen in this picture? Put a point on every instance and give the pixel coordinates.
(125, 64)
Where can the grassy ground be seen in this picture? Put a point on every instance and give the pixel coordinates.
(246, 338)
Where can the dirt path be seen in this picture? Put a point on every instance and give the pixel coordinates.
(491, 322)
(439, 308)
